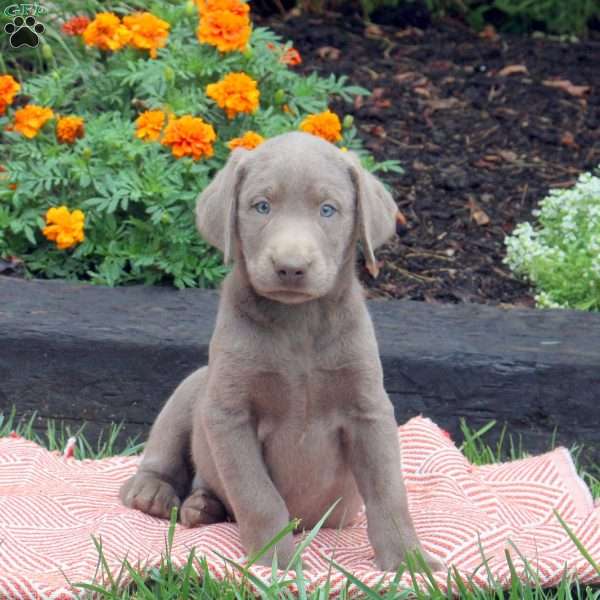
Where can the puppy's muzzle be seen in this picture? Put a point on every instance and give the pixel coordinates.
(291, 270)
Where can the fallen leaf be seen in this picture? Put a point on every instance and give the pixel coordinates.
(378, 131)
(513, 70)
(489, 33)
(477, 213)
(440, 65)
(406, 77)
(493, 158)
(373, 31)
(566, 86)
(563, 184)
(484, 164)
(409, 32)
(417, 165)
(508, 155)
(568, 139)
(358, 102)
(422, 91)
(328, 53)
(444, 104)
(378, 100)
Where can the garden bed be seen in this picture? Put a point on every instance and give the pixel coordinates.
(481, 146)
(483, 124)
(88, 353)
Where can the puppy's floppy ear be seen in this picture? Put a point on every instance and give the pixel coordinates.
(216, 206)
(376, 210)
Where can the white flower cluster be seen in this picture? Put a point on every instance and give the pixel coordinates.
(560, 255)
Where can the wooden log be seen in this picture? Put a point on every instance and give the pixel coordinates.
(80, 353)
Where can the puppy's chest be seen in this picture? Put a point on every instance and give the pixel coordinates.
(303, 394)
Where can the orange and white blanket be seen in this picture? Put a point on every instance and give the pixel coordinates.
(52, 506)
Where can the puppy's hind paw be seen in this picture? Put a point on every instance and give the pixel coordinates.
(150, 494)
(202, 508)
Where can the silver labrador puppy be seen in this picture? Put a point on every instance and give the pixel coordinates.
(290, 414)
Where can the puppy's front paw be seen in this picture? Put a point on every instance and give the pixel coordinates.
(150, 494)
(202, 508)
(285, 551)
(391, 559)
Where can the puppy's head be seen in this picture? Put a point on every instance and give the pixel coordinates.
(291, 210)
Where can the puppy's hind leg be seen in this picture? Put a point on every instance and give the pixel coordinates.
(164, 475)
(201, 507)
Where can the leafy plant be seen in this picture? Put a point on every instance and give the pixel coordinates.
(552, 16)
(561, 256)
(136, 195)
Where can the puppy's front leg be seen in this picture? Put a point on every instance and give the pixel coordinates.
(257, 506)
(374, 455)
(163, 477)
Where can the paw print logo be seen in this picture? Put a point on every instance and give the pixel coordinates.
(24, 32)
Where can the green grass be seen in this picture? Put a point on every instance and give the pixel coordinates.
(56, 435)
(194, 580)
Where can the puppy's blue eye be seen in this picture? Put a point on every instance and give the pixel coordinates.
(327, 210)
(263, 207)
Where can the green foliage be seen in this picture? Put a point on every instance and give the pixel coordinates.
(561, 256)
(137, 198)
(552, 16)
(559, 17)
(55, 435)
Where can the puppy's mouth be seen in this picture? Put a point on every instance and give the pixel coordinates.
(288, 296)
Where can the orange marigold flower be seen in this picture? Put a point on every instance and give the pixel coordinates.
(189, 136)
(76, 25)
(225, 25)
(68, 129)
(325, 125)
(149, 125)
(249, 140)
(235, 93)
(64, 227)
(147, 31)
(9, 88)
(290, 56)
(234, 6)
(106, 32)
(30, 119)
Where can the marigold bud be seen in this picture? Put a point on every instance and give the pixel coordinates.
(248, 53)
(279, 97)
(169, 74)
(47, 52)
(87, 153)
(190, 8)
(348, 121)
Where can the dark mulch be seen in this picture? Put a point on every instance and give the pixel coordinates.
(480, 147)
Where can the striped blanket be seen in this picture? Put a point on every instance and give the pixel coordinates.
(52, 506)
